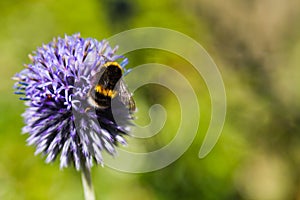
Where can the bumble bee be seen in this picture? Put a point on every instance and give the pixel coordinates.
(110, 85)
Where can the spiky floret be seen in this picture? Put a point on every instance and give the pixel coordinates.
(59, 120)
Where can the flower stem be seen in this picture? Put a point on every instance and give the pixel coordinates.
(87, 184)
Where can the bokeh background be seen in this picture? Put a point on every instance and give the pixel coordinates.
(256, 45)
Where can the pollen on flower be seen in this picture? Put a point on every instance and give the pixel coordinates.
(59, 119)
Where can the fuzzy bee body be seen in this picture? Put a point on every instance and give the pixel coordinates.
(110, 85)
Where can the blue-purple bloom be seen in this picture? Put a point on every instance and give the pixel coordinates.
(59, 120)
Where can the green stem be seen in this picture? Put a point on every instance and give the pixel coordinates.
(87, 184)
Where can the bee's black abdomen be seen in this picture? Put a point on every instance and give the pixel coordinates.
(104, 90)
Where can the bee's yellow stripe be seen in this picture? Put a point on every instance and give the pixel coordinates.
(114, 64)
(105, 92)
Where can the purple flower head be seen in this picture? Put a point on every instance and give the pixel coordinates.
(58, 87)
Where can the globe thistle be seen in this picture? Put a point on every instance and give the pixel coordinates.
(63, 117)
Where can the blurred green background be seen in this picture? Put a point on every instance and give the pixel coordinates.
(256, 45)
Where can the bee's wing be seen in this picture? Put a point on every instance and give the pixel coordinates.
(125, 96)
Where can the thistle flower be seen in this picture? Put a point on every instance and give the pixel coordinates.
(57, 86)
